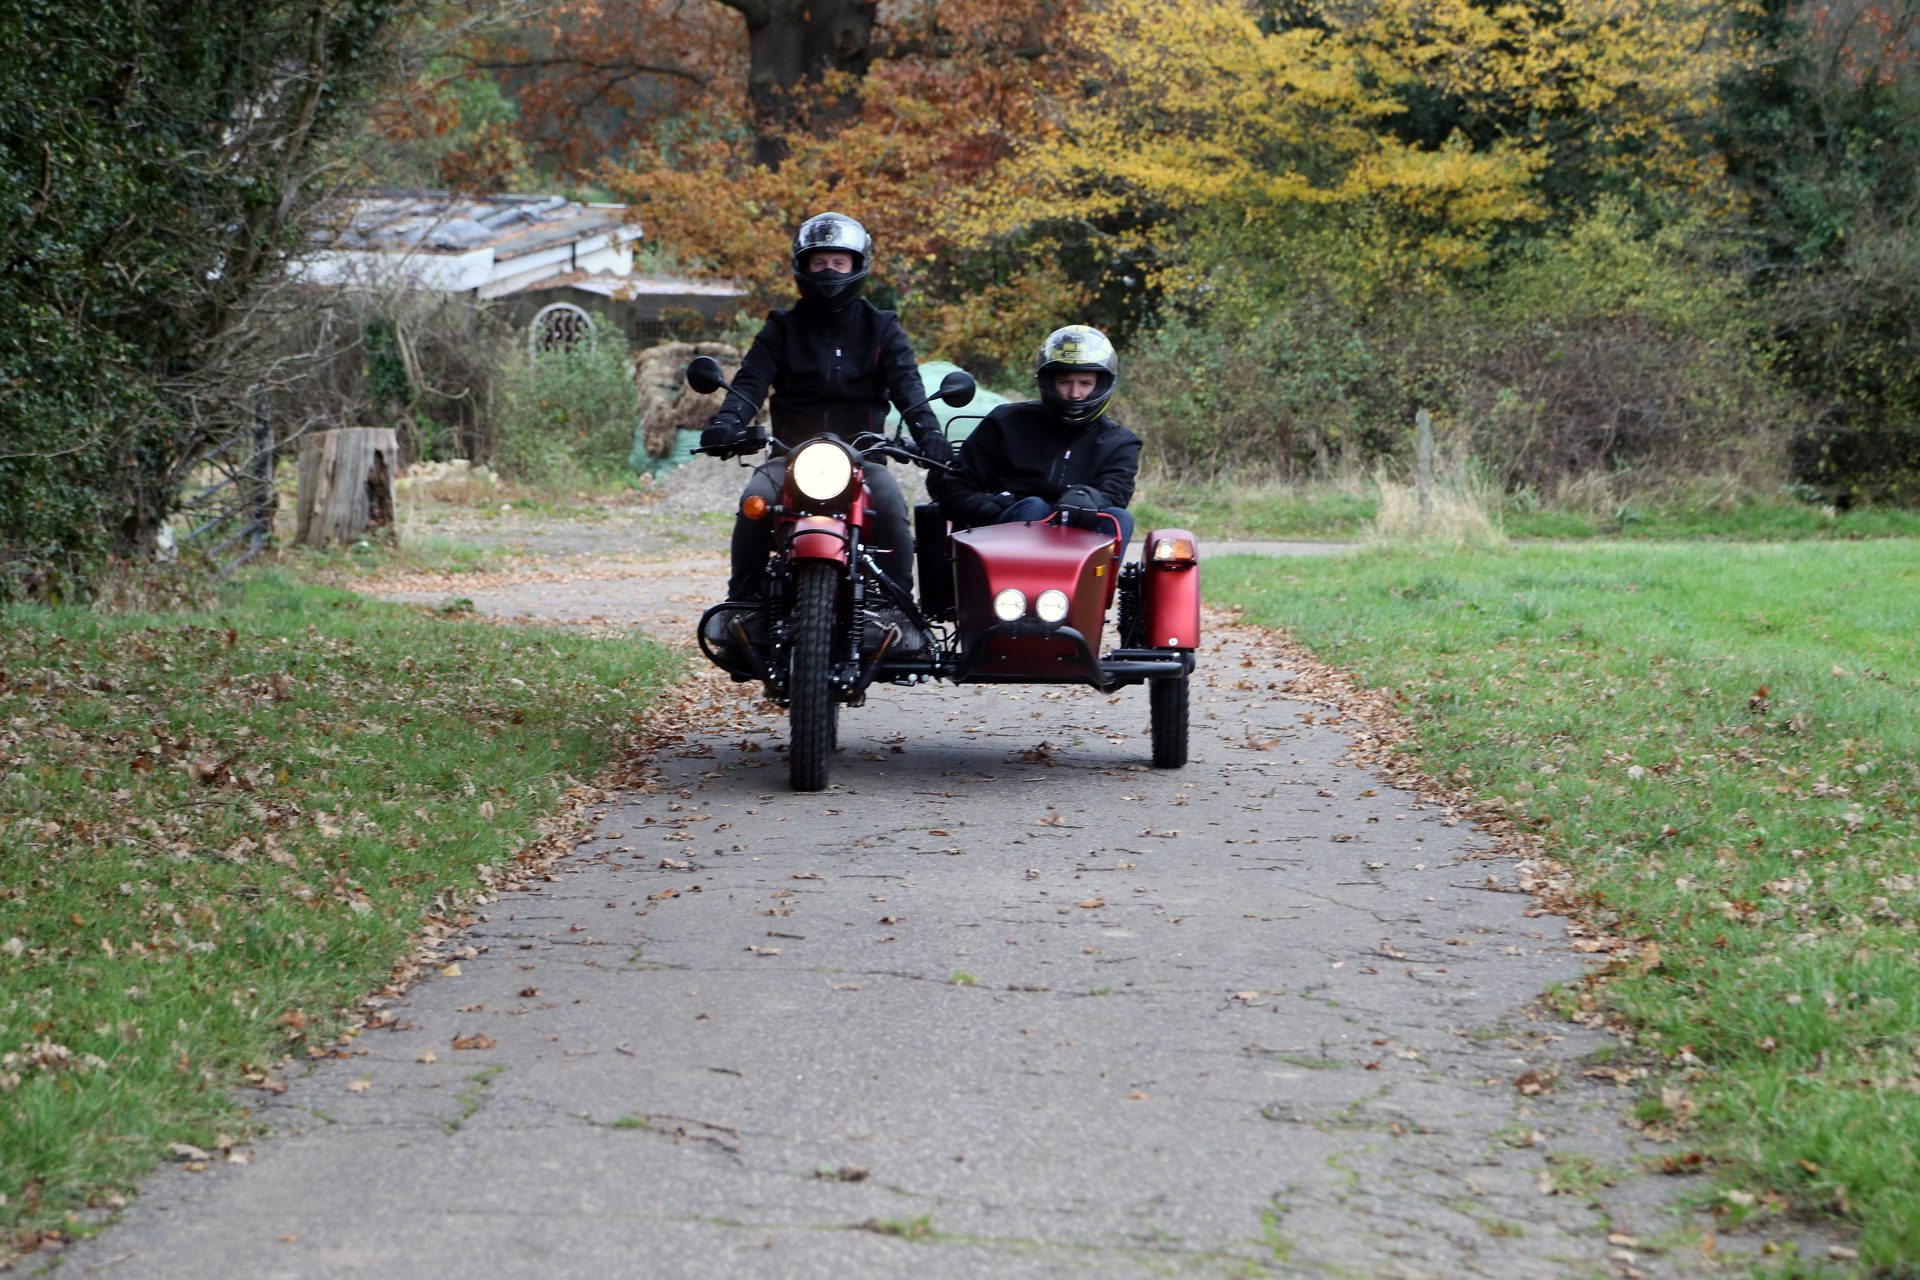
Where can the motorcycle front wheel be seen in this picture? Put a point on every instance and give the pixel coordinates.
(1167, 707)
(811, 709)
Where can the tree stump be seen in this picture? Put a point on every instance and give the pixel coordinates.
(346, 484)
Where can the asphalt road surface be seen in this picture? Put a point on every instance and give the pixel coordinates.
(1003, 1002)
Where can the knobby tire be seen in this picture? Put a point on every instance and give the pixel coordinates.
(1167, 708)
(811, 709)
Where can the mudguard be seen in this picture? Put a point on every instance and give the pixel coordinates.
(819, 538)
(1170, 595)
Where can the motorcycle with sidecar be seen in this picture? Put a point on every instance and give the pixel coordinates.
(1022, 603)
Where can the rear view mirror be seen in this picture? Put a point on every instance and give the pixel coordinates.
(704, 376)
(956, 389)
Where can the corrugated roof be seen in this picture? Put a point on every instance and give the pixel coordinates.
(441, 222)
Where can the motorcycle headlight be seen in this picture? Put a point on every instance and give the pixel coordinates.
(1051, 606)
(821, 470)
(1009, 605)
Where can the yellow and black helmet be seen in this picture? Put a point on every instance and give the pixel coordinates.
(1077, 348)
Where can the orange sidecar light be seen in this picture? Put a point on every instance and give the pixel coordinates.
(753, 507)
(1173, 550)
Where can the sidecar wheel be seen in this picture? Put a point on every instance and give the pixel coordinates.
(811, 710)
(1167, 702)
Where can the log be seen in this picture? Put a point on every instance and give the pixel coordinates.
(346, 484)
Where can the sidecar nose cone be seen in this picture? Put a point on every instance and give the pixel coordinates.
(1010, 605)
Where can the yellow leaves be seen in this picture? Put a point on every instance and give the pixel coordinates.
(1203, 110)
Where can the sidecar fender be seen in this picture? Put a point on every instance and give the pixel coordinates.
(819, 538)
(1170, 593)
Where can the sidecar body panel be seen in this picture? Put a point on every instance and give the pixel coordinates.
(1031, 559)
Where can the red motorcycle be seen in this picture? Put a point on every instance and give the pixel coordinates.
(1001, 604)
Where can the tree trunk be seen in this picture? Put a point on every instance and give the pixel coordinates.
(346, 484)
(791, 44)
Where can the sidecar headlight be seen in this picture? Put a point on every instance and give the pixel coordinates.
(1010, 605)
(821, 470)
(1051, 606)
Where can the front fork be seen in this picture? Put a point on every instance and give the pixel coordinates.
(849, 620)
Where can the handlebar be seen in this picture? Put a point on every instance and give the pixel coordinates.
(881, 446)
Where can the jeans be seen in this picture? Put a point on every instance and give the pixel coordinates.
(1040, 509)
(890, 537)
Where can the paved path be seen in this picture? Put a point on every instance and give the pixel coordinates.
(1003, 1003)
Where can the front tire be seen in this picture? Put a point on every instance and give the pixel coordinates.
(811, 709)
(1167, 706)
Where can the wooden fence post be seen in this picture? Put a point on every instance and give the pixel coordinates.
(1423, 451)
(346, 484)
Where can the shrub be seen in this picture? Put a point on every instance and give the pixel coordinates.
(1291, 392)
(1604, 350)
(565, 413)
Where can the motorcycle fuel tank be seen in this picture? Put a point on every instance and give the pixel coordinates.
(1031, 559)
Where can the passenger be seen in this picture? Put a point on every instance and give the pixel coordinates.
(1058, 453)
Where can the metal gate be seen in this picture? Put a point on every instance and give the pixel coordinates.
(229, 519)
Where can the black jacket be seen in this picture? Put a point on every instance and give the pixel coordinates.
(1021, 452)
(830, 372)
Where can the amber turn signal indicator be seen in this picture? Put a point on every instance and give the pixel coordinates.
(753, 507)
(1173, 550)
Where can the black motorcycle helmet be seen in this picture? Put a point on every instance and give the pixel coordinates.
(1077, 348)
(833, 289)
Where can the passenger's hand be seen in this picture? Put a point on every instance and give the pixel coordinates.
(934, 447)
(1078, 517)
(1082, 495)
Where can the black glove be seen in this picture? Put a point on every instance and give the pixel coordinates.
(934, 447)
(1082, 495)
(724, 430)
(1078, 517)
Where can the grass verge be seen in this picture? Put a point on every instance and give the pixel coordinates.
(1345, 510)
(1721, 746)
(219, 829)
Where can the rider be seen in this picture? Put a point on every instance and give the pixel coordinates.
(1058, 453)
(834, 360)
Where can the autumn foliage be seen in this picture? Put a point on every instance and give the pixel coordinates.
(1151, 166)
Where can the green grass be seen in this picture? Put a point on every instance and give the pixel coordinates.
(219, 829)
(1722, 743)
(1276, 511)
(1747, 519)
(1344, 511)
(369, 558)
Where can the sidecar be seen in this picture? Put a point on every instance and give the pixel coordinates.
(1028, 604)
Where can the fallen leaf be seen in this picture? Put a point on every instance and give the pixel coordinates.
(359, 1086)
(1090, 903)
(1532, 1083)
(477, 1040)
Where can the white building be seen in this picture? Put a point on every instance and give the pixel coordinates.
(528, 251)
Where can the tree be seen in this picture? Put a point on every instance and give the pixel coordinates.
(1821, 138)
(158, 166)
(1406, 137)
